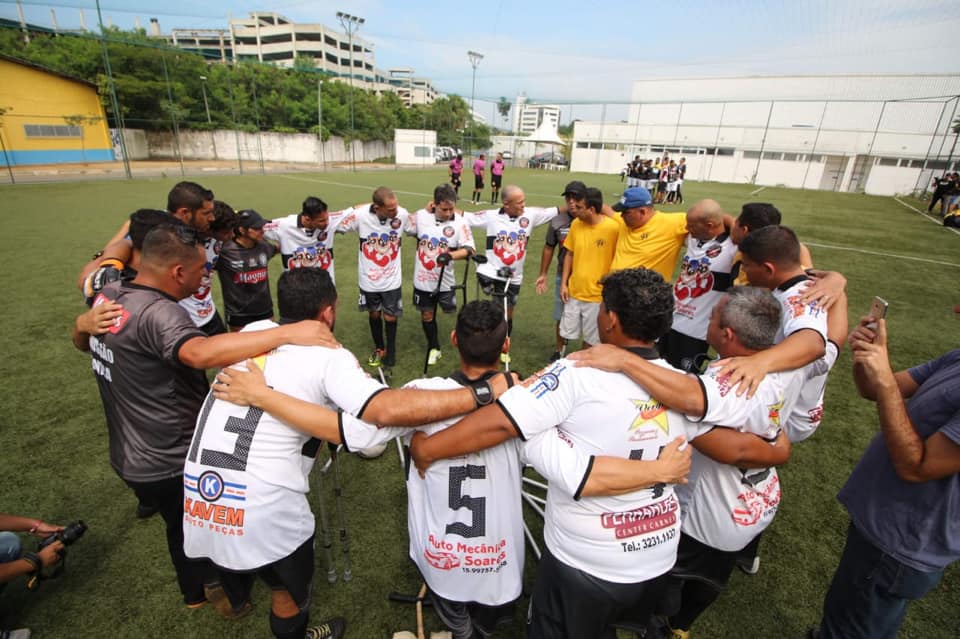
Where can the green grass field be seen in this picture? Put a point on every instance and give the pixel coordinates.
(119, 581)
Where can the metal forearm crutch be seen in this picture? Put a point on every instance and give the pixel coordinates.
(325, 538)
(403, 458)
(338, 498)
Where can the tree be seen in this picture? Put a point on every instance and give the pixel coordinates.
(503, 108)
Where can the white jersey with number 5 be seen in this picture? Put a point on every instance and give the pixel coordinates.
(464, 517)
(245, 477)
(627, 538)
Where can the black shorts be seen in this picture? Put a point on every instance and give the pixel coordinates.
(496, 180)
(567, 602)
(455, 179)
(293, 573)
(469, 617)
(696, 560)
(424, 301)
(477, 181)
(494, 288)
(684, 352)
(214, 326)
(239, 321)
(390, 302)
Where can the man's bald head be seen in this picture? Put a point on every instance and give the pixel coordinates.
(705, 219)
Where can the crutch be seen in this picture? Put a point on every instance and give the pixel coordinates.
(338, 497)
(506, 273)
(403, 458)
(326, 540)
(462, 286)
(537, 503)
(436, 303)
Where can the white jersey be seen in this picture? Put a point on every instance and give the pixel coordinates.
(725, 506)
(301, 247)
(796, 316)
(433, 238)
(704, 276)
(246, 473)
(507, 238)
(627, 538)
(378, 265)
(464, 517)
(200, 305)
(808, 411)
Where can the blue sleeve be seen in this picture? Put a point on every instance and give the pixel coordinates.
(922, 372)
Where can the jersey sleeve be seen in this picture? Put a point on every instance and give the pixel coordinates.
(798, 316)
(348, 221)
(680, 224)
(466, 234)
(164, 328)
(358, 435)
(721, 405)
(552, 238)
(347, 385)
(543, 400)
(922, 372)
(478, 218)
(553, 454)
(542, 215)
(271, 231)
(568, 241)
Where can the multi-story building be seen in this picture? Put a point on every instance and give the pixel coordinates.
(527, 117)
(270, 37)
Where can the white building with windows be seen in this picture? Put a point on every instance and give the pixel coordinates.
(879, 134)
(527, 117)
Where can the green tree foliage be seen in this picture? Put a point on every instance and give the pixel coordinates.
(247, 96)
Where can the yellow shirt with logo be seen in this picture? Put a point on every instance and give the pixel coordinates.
(656, 245)
(593, 247)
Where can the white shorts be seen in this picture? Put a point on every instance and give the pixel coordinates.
(580, 318)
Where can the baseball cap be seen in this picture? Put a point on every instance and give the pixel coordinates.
(250, 219)
(575, 188)
(632, 198)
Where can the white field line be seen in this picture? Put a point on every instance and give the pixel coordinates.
(894, 255)
(927, 216)
(754, 192)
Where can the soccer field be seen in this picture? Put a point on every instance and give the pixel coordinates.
(119, 581)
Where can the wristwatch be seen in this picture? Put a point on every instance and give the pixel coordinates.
(482, 393)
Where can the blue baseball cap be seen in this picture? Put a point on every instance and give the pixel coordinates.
(633, 198)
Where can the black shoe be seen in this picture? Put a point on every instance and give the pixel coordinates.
(145, 512)
(556, 355)
(329, 629)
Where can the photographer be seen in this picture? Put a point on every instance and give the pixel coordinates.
(12, 564)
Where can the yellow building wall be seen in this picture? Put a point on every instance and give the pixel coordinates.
(31, 96)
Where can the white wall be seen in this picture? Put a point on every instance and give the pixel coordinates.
(891, 180)
(414, 147)
(276, 147)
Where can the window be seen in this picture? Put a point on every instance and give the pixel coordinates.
(51, 131)
(916, 164)
(888, 161)
(791, 157)
(725, 150)
(582, 145)
(423, 151)
(772, 155)
(751, 155)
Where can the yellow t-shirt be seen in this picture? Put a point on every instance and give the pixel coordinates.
(656, 245)
(593, 247)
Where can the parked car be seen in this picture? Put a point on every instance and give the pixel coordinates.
(541, 160)
(506, 155)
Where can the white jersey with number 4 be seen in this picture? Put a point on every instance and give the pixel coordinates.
(246, 473)
(378, 264)
(627, 538)
(464, 517)
(433, 238)
(507, 238)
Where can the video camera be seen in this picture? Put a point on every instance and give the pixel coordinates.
(505, 272)
(71, 533)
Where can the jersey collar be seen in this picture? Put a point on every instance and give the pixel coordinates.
(646, 352)
(793, 281)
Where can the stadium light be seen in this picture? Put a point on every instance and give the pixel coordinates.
(350, 24)
(475, 59)
(203, 89)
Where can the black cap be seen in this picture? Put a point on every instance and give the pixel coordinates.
(250, 219)
(576, 188)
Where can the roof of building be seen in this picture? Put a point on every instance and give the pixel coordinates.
(38, 67)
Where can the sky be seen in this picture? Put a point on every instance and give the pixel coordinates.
(579, 54)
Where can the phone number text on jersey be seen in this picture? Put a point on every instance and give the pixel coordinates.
(649, 542)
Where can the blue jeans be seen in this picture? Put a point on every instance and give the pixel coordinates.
(870, 592)
(9, 549)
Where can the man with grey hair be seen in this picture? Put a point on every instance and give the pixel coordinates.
(725, 506)
(704, 276)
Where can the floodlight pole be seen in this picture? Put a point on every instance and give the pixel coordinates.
(475, 59)
(203, 89)
(114, 103)
(350, 24)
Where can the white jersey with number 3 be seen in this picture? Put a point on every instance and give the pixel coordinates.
(464, 517)
(246, 474)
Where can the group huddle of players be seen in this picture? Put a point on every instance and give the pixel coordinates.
(613, 528)
(661, 176)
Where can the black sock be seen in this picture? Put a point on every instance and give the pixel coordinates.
(391, 357)
(697, 597)
(430, 330)
(289, 627)
(510, 326)
(376, 330)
